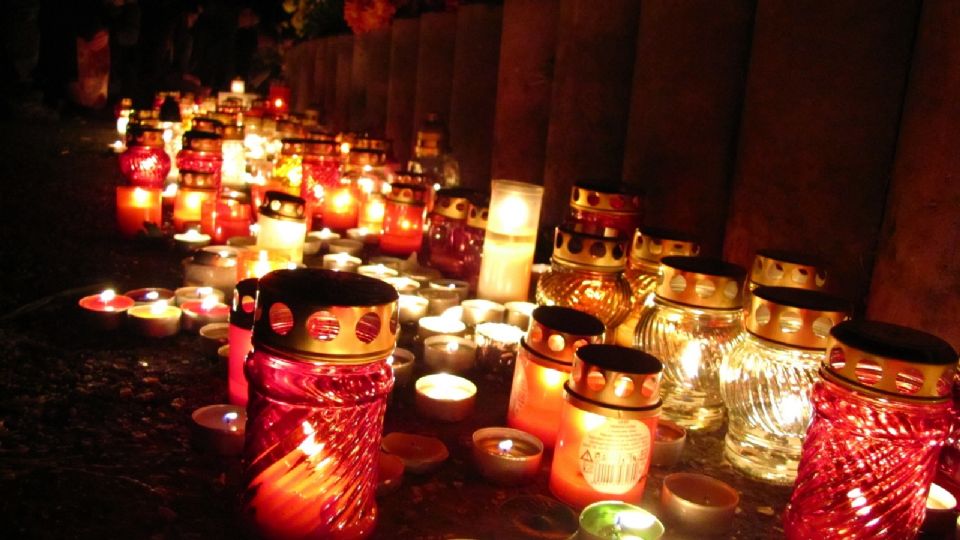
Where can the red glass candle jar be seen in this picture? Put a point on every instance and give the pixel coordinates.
(201, 153)
(318, 382)
(881, 415)
(474, 233)
(278, 98)
(403, 220)
(341, 206)
(239, 337)
(543, 365)
(607, 425)
(225, 218)
(321, 172)
(136, 208)
(418, 179)
(601, 207)
(447, 224)
(145, 163)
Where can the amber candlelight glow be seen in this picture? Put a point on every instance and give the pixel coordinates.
(445, 397)
(506, 456)
(155, 320)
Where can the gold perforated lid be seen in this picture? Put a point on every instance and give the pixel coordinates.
(794, 316)
(701, 282)
(202, 141)
(408, 194)
(453, 203)
(325, 315)
(326, 147)
(431, 136)
(888, 360)
(282, 205)
(359, 157)
(556, 333)
(607, 253)
(145, 136)
(597, 197)
(207, 124)
(293, 146)
(478, 215)
(197, 180)
(651, 244)
(615, 381)
(785, 269)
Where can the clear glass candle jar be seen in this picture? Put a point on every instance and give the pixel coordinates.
(586, 273)
(318, 384)
(403, 219)
(643, 267)
(473, 235)
(881, 415)
(288, 170)
(234, 159)
(365, 169)
(239, 338)
(446, 234)
(510, 241)
(201, 153)
(766, 379)
(597, 207)
(321, 172)
(431, 154)
(691, 324)
(283, 226)
(145, 163)
(543, 365)
(607, 425)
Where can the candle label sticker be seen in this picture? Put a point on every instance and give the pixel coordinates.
(518, 394)
(614, 456)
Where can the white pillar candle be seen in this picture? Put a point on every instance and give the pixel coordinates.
(510, 241)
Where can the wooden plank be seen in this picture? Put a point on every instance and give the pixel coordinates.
(330, 74)
(358, 81)
(528, 45)
(474, 92)
(438, 32)
(916, 279)
(688, 84)
(320, 80)
(591, 98)
(402, 87)
(378, 81)
(341, 111)
(818, 131)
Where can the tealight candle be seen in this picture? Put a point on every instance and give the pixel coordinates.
(186, 294)
(667, 444)
(363, 235)
(341, 262)
(419, 454)
(698, 503)
(506, 456)
(941, 512)
(149, 295)
(461, 288)
(311, 245)
(325, 236)
(478, 310)
(105, 310)
(436, 326)
(497, 344)
(199, 313)
(412, 308)
(191, 240)
(402, 363)
(423, 274)
(158, 319)
(440, 300)
(392, 262)
(214, 336)
(518, 313)
(212, 266)
(378, 271)
(404, 285)
(606, 520)
(346, 245)
(449, 354)
(445, 397)
(220, 428)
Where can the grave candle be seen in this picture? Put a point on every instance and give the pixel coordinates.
(698, 503)
(445, 397)
(155, 320)
(220, 428)
(283, 227)
(506, 456)
(136, 208)
(510, 241)
(449, 354)
(106, 310)
(238, 337)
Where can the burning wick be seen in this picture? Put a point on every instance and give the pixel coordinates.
(229, 419)
(157, 308)
(108, 295)
(505, 446)
(453, 347)
(208, 303)
(152, 295)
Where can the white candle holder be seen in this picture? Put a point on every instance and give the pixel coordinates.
(445, 397)
(449, 354)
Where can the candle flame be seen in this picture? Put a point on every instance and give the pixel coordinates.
(345, 148)
(208, 303)
(513, 214)
(152, 295)
(204, 291)
(277, 103)
(390, 360)
(342, 200)
(453, 346)
(158, 307)
(224, 254)
(310, 446)
(505, 445)
(690, 358)
(254, 229)
(634, 520)
(170, 190)
(108, 295)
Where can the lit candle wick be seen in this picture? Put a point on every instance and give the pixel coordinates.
(158, 307)
(152, 295)
(203, 292)
(505, 446)
(453, 346)
(108, 295)
(208, 303)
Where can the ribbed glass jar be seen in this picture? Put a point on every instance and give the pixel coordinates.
(445, 237)
(586, 274)
(882, 414)
(691, 324)
(643, 267)
(766, 379)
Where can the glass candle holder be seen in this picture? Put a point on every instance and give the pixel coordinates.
(403, 220)
(543, 365)
(239, 338)
(225, 218)
(446, 234)
(602, 207)
(145, 163)
(371, 214)
(775, 268)
(212, 266)
(341, 206)
(607, 425)
(283, 226)
(881, 415)
(766, 379)
(288, 170)
(586, 274)
(318, 384)
(138, 209)
(691, 324)
(510, 241)
(188, 206)
(202, 153)
(643, 267)
(234, 158)
(321, 172)
(256, 263)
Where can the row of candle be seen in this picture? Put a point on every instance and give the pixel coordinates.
(149, 311)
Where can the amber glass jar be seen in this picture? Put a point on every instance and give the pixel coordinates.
(598, 207)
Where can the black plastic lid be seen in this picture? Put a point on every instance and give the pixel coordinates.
(706, 266)
(170, 110)
(621, 359)
(281, 205)
(568, 320)
(895, 341)
(802, 298)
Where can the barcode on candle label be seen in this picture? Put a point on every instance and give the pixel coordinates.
(614, 456)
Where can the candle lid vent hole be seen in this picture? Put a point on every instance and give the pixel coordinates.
(623, 386)
(678, 284)
(705, 288)
(869, 371)
(368, 327)
(556, 343)
(323, 326)
(596, 381)
(909, 381)
(281, 318)
(598, 250)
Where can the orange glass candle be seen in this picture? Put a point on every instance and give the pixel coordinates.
(341, 207)
(607, 426)
(403, 219)
(188, 206)
(136, 207)
(371, 215)
(543, 366)
(224, 218)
